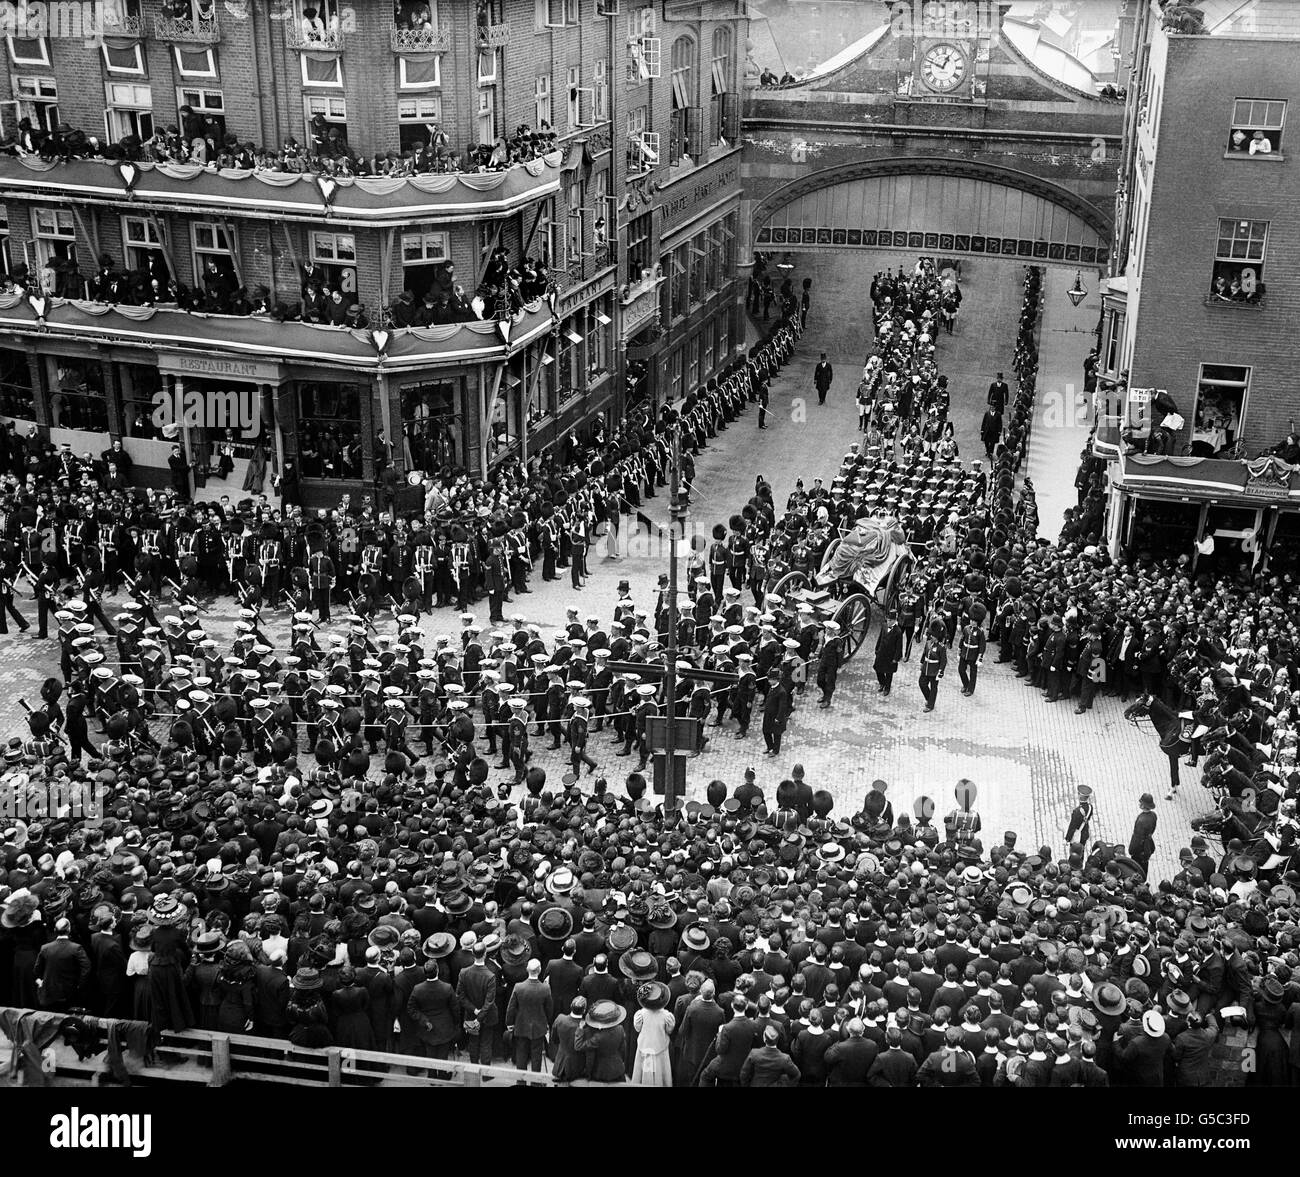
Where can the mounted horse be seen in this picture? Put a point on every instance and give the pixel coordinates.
(1173, 730)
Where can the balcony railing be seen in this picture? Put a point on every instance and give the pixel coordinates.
(186, 30)
(330, 40)
(420, 40)
(123, 25)
(493, 36)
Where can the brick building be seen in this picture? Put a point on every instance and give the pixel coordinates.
(638, 191)
(1206, 286)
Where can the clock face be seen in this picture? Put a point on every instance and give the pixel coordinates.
(943, 67)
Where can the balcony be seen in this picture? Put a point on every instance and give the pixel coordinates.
(258, 336)
(495, 36)
(186, 30)
(420, 40)
(268, 195)
(326, 41)
(123, 25)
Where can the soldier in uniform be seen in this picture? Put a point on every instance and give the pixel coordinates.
(963, 824)
(970, 656)
(1080, 827)
(320, 573)
(933, 663)
(7, 601)
(828, 665)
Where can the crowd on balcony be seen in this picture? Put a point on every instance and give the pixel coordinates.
(201, 140)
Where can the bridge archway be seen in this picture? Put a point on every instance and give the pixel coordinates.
(939, 205)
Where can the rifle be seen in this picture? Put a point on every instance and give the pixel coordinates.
(181, 594)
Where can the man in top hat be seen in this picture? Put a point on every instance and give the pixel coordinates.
(1142, 844)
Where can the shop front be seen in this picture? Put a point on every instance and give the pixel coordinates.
(1227, 517)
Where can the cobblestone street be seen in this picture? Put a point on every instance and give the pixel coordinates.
(1026, 756)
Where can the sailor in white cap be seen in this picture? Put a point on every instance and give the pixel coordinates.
(577, 735)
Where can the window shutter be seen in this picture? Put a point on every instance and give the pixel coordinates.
(694, 133)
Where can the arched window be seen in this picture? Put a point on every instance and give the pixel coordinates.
(685, 129)
(722, 99)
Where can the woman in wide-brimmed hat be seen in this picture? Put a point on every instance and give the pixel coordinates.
(654, 1028)
(168, 997)
(308, 1018)
(23, 934)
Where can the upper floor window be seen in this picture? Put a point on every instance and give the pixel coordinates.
(721, 99)
(1239, 261)
(685, 118)
(1256, 126)
(124, 59)
(29, 50)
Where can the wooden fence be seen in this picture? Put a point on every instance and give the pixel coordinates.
(214, 1060)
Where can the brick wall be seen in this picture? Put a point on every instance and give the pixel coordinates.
(1193, 185)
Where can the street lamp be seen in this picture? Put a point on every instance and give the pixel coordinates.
(1078, 292)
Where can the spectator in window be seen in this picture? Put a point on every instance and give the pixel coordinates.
(313, 28)
(1260, 144)
(404, 310)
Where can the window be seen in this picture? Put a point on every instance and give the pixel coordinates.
(423, 253)
(638, 246)
(123, 59)
(551, 14)
(34, 98)
(600, 325)
(214, 245)
(16, 397)
(333, 110)
(416, 14)
(643, 52)
(1111, 364)
(675, 371)
(322, 69)
(4, 240)
(485, 123)
(416, 120)
(322, 25)
(419, 73)
(425, 249)
(487, 67)
(679, 270)
(600, 78)
(55, 233)
(329, 429)
(77, 398)
(193, 62)
(697, 258)
(128, 110)
(685, 112)
(1256, 126)
(29, 50)
(721, 100)
(693, 363)
(575, 199)
(642, 145)
(549, 236)
(1221, 394)
(431, 425)
(336, 254)
(143, 240)
(206, 104)
(542, 101)
(1239, 261)
(575, 94)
